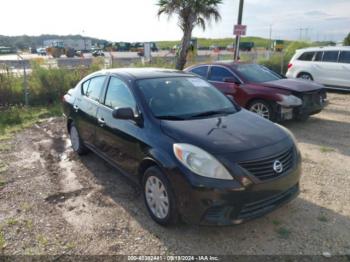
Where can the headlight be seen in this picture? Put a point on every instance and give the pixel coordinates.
(200, 162)
(290, 100)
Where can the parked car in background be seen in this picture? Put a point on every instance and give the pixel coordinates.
(329, 66)
(98, 52)
(246, 46)
(196, 154)
(263, 91)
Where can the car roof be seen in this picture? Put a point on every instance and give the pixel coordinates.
(228, 63)
(144, 73)
(325, 48)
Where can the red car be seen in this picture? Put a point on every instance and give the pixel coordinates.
(263, 91)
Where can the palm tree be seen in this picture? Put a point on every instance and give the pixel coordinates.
(190, 13)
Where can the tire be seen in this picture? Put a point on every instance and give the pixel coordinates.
(77, 143)
(303, 118)
(263, 109)
(165, 214)
(305, 76)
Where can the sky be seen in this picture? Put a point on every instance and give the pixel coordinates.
(137, 20)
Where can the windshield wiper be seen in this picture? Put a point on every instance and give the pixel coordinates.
(211, 113)
(170, 117)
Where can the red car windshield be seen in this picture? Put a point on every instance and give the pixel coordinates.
(256, 73)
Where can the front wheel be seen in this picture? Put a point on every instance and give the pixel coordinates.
(159, 197)
(262, 108)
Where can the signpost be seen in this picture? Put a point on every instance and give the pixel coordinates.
(240, 29)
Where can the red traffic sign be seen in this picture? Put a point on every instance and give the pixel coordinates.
(240, 30)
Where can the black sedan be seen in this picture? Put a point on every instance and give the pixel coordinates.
(197, 155)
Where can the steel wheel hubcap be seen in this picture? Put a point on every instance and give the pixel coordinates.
(74, 137)
(157, 197)
(261, 109)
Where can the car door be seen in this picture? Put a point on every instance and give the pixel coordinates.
(118, 139)
(85, 107)
(330, 68)
(218, 76)
(344, 62)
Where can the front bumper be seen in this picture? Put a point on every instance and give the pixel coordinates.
(310, 106)
(215, 202)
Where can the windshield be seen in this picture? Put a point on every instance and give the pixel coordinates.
(256, 73)
(180, 98)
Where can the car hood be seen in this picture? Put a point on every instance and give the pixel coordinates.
(296, 85)
(232, 133)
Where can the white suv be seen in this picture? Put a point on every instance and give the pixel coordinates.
(326, 65)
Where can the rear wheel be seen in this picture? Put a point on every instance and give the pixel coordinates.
(305, 76)
(262, 108)
(159, 197)
(77, 144)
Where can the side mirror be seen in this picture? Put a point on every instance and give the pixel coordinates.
(231, 80)
(125, 113)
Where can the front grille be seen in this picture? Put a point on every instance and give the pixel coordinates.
(312, 99)
(263, 168)
(261, 207)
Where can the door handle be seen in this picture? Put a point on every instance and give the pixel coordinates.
(101, 121)
(76, 108)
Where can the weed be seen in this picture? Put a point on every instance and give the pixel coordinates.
(276, 222)
(283, 232)
(26, 207)
(3, 167)
(2, 240)
(28, 224)
(42, 240)
(12, 222)
(322, 218)
(325, 149)
(70, 245)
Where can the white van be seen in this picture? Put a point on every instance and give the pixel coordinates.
(326, 65)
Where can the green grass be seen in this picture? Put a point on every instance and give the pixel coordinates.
(283, 232)
(325, 149)
(15, 118)
(12, 222)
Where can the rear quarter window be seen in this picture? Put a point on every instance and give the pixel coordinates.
(344, 57)
(200, 71)
(306, 56)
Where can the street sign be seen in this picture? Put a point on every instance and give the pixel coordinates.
(240, 30)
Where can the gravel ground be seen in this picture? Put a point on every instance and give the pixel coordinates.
(54, 202)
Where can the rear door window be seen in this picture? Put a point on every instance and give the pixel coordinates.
(219, 74)
(307, 56)
(201, 71)
(94, 87)
(318, 56)
(330, 56)
(344, 57)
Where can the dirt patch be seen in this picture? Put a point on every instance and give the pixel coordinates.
(54, 202)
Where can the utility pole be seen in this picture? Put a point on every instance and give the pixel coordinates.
(239, 22)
